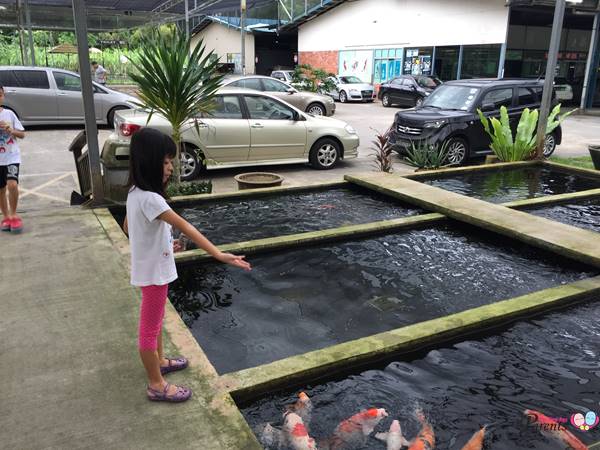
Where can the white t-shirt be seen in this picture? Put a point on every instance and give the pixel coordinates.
(9, 149)
(150, 239)
(100, 74)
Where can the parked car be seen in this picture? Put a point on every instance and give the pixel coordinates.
(310, 102)
(283, 75)
(407, 90)
(449, 115)
(351, 88)
(564, 91)
(248, 128)
(46, 96)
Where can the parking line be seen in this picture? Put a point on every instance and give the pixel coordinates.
(48, 183)
(39, 194)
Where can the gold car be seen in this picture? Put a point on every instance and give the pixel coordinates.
(310, 102)
(248, 128)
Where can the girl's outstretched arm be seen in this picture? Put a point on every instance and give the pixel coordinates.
(176, 221)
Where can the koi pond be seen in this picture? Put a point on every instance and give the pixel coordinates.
(583, 214)
(505, 185)
(550, 364)
(299, 300)
(248, 218)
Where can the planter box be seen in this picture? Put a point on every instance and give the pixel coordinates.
(595, 154)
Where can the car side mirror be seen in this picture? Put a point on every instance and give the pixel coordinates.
(486, 107)
(298, 117)
(413, 87)
(291, 90)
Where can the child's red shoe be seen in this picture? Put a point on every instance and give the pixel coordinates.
(5, 225)
(16, 225)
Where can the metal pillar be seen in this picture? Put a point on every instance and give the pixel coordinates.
(87, 91)
(460, 60)
(187, 21)
(243, 31)
(589, 69)
(29, 31)
(503, 48)
(559, 12)
(432, 66)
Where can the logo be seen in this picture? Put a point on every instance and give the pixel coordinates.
(585, 423)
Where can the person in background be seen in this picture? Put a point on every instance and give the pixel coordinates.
(100, 73)
(10, 160)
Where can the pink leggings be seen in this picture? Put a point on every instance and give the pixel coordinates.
(152, 312)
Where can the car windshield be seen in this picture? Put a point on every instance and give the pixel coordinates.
(288, 76)
(428, 82)
(452, 97)
(350, 80)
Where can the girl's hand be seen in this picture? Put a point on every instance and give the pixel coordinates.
(177, 245)
(234, 260)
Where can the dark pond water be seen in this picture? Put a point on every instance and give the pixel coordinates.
(226, 221)
(516, 184)
(585, 214)
(551, 364)
(301, 300)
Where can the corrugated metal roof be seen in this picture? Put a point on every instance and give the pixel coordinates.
(115, 14)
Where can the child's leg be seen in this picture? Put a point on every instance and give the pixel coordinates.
(4, 203)
(152, 312)
(13, 197)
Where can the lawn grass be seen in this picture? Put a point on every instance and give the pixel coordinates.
(577, 161)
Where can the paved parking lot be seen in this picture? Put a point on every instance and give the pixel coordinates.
(48, 173)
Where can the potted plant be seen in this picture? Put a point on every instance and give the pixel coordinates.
(426, 156)
(382, 151)
(175, 82)
(594, 150)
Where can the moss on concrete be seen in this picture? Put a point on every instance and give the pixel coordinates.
(255, 381)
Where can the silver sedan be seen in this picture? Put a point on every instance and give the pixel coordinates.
(247, 128)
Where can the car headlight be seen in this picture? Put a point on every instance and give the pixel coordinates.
(349, 129)
(427, 93)
(436, 124)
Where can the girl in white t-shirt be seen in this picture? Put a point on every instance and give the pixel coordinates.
(148, 224)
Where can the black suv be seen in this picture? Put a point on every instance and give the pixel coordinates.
(407, 90)
(449, 115)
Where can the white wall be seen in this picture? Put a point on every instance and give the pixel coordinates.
(405, 23)
(222, 40)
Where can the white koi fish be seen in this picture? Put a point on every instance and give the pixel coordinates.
(393, 438)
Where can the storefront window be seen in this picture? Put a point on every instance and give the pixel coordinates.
(480, 61)
(387, 64)
(417, 61)
(446, 62)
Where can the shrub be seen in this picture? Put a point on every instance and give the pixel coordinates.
(188, 188)
(382, 151)
(427, 156)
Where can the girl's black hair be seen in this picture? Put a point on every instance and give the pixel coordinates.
(147, 153)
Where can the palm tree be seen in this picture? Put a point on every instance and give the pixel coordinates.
(174, 82)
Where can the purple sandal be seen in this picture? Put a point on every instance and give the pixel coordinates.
(175, 364)
(181, 394)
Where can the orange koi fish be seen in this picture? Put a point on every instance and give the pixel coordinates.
(554, 429)
(296, 433)
(425, 440)
(353, 432)
(302, 407)
(476, 441)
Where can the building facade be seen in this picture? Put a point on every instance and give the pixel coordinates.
(377, 40)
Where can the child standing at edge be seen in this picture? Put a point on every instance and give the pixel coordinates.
(148, 223)
(10, 160)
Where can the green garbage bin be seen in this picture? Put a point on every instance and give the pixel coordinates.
(595, 154)
(115, 170)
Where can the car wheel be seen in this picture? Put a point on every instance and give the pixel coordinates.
(418, 102)
(549, 145)
(316, 110)
(457, 151)
(191, 163)
(385, 100)
(343, 97)
(110, 118)
(324, 154)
